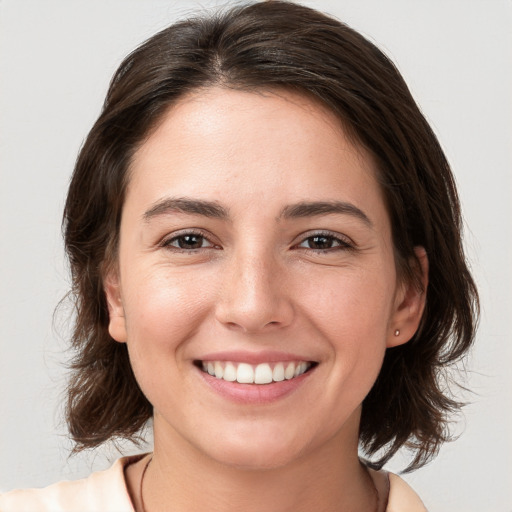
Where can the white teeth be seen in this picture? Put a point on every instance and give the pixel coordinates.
(289, 372)
(278, 373)
(262, 373)
(229, 373)
(300, 369)
(245, 374)
(219, 371)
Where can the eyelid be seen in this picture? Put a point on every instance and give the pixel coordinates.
(168, 239)
(345, 241)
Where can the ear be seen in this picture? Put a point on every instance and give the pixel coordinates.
(117, 321)
(409, 304)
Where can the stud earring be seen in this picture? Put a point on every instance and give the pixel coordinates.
(397, 332)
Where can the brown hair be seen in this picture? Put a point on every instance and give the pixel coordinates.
(259, 47)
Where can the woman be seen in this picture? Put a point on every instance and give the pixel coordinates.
(264, 237)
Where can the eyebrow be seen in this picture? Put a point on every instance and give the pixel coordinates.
(186, 205)
(316, 208)
(214, 210)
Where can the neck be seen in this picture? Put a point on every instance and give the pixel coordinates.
(329, 479)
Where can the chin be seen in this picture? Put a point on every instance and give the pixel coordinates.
(257, 450)
(256, 458)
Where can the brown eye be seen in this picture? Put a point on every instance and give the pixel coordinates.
(323, 242)
(320, 242)
(189, 241)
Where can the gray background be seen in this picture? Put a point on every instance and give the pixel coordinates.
(56, 59)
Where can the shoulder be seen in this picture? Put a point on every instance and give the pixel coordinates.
(102, 490)
(400, 496)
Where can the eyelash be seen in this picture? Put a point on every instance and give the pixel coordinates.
(341, 243)
(167, 243)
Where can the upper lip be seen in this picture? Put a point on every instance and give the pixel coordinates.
(254, 357)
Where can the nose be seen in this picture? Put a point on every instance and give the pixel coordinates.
(254, 296)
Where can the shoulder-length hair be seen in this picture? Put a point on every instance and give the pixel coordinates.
(263, 46)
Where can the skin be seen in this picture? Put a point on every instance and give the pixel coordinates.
(256, 281)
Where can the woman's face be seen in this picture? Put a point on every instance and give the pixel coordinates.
(255, 246)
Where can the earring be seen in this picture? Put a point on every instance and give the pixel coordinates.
(397, 332)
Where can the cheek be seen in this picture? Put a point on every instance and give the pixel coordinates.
(162, 310)
(351, 312)
(162, 313)
(349, 303)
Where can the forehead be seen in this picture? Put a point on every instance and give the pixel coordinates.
(244, 148)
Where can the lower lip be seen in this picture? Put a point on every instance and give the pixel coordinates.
(254, 393)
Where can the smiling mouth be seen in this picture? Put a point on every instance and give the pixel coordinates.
(263, 373)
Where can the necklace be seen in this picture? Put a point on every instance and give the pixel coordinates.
(143, 508)
(141, 482)
(375, 491)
